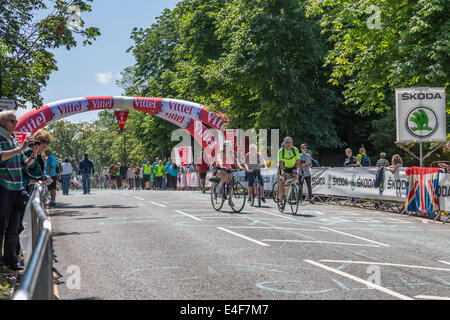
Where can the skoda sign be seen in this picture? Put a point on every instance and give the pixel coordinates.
(421, 115)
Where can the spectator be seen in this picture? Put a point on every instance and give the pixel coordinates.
(396, 163)
(104, 180)
(172, 173)
(159, 173)
(306, 161)
(113, 169)
(130, 177)
(147, 172)
(50, 170)
(13, 197)
(363, 158)
(351, 161)
(96, 179)
(444, 166)
(118, 177)
(86, 169)
(66, 175)
(137, 177)
(202, 168)
(36, 171)
(123, 174)
(314, 161)
(382, 162)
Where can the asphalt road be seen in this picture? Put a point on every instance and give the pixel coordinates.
(169, 245)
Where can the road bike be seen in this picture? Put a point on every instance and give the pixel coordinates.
(290, 196)
(234, 192)
(256, 188)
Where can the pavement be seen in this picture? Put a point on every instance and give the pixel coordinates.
(172, 245)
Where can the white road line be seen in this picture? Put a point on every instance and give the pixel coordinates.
(356, 237)
(325, 242)
(387, 264)
(158, 204)
(188, 215)
(280, 228)
(367, 283)
(445, 262)
(139, 198)
(244, 237)
(432, 298)
(274, 214)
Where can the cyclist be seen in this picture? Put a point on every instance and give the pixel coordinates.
(289, 160)
(226, 161)
(253, 163)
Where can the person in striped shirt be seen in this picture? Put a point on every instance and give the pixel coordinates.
(13, 197)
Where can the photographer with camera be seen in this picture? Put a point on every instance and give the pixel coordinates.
(35, 172)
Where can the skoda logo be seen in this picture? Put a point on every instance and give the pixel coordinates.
(422, 122)
(353, 183)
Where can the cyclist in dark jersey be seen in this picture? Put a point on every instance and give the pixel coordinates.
(253, 162)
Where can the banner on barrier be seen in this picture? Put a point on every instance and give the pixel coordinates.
(343, 182)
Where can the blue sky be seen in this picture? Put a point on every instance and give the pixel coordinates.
(93, 70)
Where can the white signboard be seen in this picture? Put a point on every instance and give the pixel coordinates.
(8, 104)
(421, 115)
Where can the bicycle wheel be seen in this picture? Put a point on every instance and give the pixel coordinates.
(259, 194)
(217, 198)
(293, 199)
(275, 192)
(238, 197)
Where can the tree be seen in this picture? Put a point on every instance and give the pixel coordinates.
(26, 41)
(377, 48)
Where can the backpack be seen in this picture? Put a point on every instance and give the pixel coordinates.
(365, 160)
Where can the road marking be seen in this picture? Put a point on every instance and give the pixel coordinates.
(280, 228)
(387, 264)
(356, 237)
(325, 242)
(244, 237)
(445, 262)
(139, 198)
(188, 215)
(274, 214)
(367, 283)
(432, 298)
(158, 204)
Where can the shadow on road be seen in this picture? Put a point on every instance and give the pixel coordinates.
(63, 234)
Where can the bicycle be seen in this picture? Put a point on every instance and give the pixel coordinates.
(221, 192)
(256, 188)
(290, 195)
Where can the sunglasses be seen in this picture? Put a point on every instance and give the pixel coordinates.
(12, 120)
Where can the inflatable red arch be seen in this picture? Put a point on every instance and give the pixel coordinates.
(190, 116)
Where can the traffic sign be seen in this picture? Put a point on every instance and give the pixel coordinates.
(6, 104)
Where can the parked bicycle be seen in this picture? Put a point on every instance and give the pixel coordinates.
(234, 192)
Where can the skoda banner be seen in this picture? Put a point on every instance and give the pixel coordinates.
(421, 115)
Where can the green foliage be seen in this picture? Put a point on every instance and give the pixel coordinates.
(409, 48)
(26, 40)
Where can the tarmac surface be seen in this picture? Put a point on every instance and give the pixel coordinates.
(172, 245)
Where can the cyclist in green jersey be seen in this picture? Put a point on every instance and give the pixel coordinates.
(289, 161)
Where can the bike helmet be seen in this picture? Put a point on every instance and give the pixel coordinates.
(288, 139)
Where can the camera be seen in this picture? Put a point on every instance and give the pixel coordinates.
(35, 143)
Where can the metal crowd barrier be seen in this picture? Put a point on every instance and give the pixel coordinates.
(37, 281)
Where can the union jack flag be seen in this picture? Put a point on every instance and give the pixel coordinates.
(422, 190)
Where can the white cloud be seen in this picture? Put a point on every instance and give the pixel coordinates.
(104, 78)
